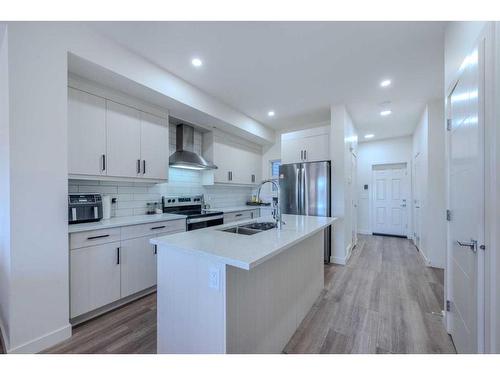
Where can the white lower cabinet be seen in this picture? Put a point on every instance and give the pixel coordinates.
(95, 277)
(241, 215)
(107, 265)
(138, 265)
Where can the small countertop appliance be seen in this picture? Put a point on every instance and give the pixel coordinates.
(84, 208)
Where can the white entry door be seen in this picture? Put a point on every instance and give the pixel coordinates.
(466, 203)
(390, 193)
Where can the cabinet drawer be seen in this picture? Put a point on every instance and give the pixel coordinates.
(93, 237)
(239, 215)
(160, 227)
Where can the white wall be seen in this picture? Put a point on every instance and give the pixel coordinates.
(343, 138)
(38, 72)
(429, 144)
(387, 151)
(39, 292)
(4, 186)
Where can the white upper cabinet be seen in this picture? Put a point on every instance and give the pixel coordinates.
(107, 139)
(86, 133)
(305, 145)
(123, 140)
(154, 146)
(238, 161)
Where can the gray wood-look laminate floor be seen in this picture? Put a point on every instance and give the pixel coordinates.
(381, 302)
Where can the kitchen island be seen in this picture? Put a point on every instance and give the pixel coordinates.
(223, 292)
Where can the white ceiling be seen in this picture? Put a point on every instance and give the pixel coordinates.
(299, 68)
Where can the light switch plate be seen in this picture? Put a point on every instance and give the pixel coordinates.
(214, 278)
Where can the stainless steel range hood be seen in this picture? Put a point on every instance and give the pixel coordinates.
(184, 156)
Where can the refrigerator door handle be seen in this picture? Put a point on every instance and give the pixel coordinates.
(297, 192)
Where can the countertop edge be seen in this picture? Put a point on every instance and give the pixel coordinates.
(85, 227)
(239, 264)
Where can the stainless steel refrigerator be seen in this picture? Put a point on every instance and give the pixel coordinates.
(305, 190)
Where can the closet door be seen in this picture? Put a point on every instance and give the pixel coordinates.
(123, 140)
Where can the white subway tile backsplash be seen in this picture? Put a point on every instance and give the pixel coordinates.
(132, 197)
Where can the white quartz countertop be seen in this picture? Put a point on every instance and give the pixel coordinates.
(245, 251)
(236, 208)
(122, 222)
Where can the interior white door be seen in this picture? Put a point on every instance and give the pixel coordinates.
(466, 202)
(389, 200)
(417, 203)
(354, 193)
(138, 265)
(86, 133)
(154, 146)
(123, 141)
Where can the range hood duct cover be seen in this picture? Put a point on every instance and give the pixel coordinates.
(184, 156)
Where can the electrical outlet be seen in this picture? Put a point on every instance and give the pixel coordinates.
(214, 278)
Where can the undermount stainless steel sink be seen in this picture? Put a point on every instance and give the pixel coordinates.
(249, 229)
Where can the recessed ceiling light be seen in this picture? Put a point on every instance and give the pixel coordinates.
(368, 136)
(385, 83)
(196, 62)
(386, 112)
(270, 113)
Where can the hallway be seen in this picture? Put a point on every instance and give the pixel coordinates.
(382, 301)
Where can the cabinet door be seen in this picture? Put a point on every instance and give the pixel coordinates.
(138, 262)
(224, 159)
(94, 277)
(255, 168)
(86, 133)
(291, 150)
(317, 148)
(123, 140)
(154, 146)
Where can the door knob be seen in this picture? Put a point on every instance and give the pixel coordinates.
(472, 245)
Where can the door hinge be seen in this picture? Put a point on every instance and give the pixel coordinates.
(448, 124)
(448, 305)
(448, 215)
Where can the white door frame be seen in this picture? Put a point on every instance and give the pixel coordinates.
(486, 309)
(409, 190)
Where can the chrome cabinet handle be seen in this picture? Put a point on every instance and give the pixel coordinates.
(117, 255)
(138, 166)
(144, 167)
(472, 245)
(301, 154)
(305, 154)
(103, 162)
(155, 249)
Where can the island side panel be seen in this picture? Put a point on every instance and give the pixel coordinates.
(191, 309)
(266, 304)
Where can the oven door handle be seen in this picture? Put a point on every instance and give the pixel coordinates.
(201, 219)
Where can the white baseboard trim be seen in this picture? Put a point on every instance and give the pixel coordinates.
(364, 231)
(342, 261)
(43, 342)
(426, 260)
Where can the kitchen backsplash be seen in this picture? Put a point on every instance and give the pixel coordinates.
(131, 197)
